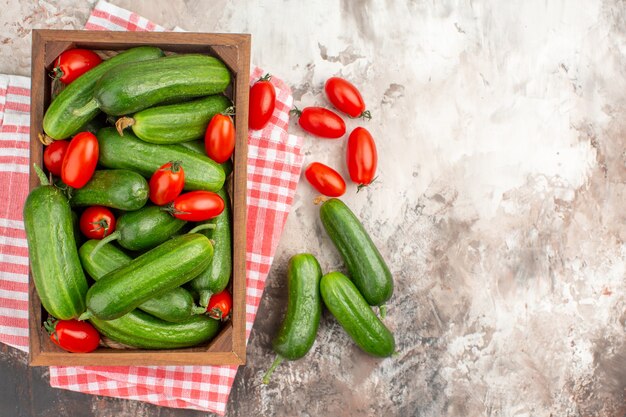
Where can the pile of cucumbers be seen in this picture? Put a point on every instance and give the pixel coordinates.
(150, 288)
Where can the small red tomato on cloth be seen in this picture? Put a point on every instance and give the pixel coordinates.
(219, 139)
(73, 335)
(346, 97)
(53, 156)
(325, 179)
(361, 157)
(96, 222)
(167, 183)
(73, 63)
(220, 305)
(196, 206)
(321, 122)
(262, 103)
(80, 160)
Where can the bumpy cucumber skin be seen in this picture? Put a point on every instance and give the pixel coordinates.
(138, 85)
(55, 267)
(177, 123)
(198, 147)
(366, 266)
(157, 271)
(174, 306)
(351, 310)
(146, 228)
(299, 328)
(143, 331)
(116, 188)
(130, 152)
(66, 114)
(215, 278)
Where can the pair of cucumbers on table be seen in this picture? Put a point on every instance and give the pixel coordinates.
(349, 300)
(139, 302)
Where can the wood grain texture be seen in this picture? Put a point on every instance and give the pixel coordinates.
(229, 347)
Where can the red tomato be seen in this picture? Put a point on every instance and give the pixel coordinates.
(325, 179)
(345, 97)
(97, 222)
(361, 157)
(167, 183)
(219, 139)
(73, 335)
(262, 103)
(73, 63)
(53, 156)
(220, 305)
(321, 122)
(80, 160)
(197, 206)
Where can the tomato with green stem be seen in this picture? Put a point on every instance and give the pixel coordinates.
(97, 222)
(346, 97)
(220, 305)
(80, 160)
(196, 206)
(73, 335)
(262, 103)
(320, 122)
(361, 157)
(167, 183)
(73, 63)
(219, 138)
(53, 156)
(325, 179)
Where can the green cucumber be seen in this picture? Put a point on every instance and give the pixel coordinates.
(215, 278)
(116, 188)
(70, 110)
(174, 123)
(198, 147)
(176, 305)
(141, 330)
(54, 264)
(366, 266)
(130, 152)
(299, 328)
(160, 270)
(136, 86)
(346, 303)
(144, 228)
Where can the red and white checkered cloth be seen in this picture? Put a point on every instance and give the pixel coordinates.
(274, 164)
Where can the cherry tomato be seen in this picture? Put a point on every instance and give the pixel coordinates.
(167, 183)
(197, 206)
(345, 97)
(97, 222)
(73, 63)
(262, 103)
(220, 305)
(80, 160)
(73, 335)
(219, 139)
(53, 156)
(325, 179)
(321, 122)
(361, 157)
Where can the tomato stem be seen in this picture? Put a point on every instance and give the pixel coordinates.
(366, 115)
(217, 314)
(56, 73)
(230, 111)
(42, 176)
(175, 166)
(266, 378)
(122, 123)
(50, 325)
(295, 111)
(202, 227)
(361, 186)
(266, 77)
(104, 241)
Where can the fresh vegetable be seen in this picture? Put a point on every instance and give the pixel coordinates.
(144, 228)
(176, 305)
(159, 270)
(196, 206)
(138, 85)
(262, 103)
(97, 222)
(346, 97)
(299, 328)
(219, 138)
(141, 330)
(175, 123)
(73, 63)
(220, 305)
(53, 156)
(129, 152)
(346, 303)
(73, 335)
(167, 183)
(325, 179)
(66, 114)
(215, 278)
(321, 122)
(366, 266)
(361, 157)
(80, 160)
(54, 263)
(198, 147)
(115, 188)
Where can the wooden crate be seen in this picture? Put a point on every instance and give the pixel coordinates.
(229, 347)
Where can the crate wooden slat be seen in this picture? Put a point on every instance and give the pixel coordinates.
(229, 347)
